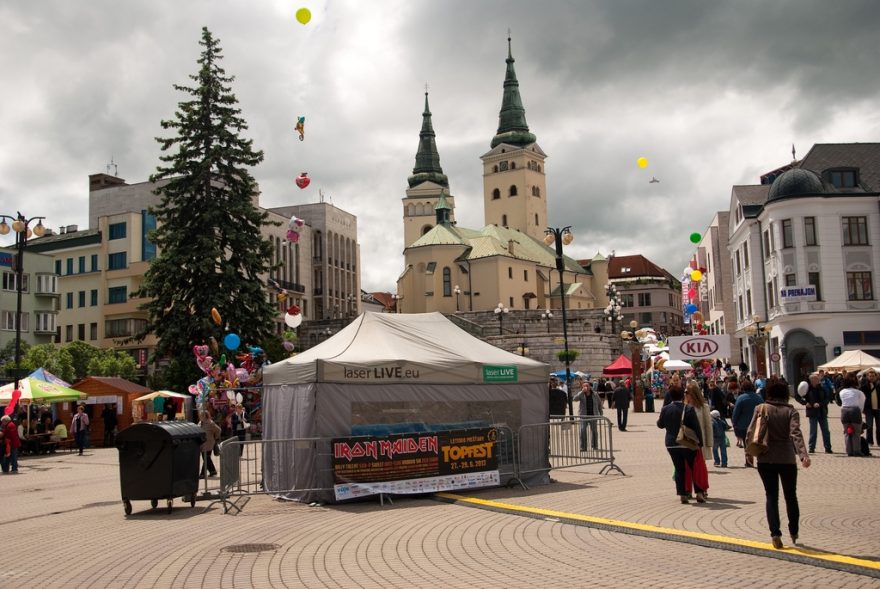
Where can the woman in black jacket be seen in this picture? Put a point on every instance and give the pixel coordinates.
(671, 419)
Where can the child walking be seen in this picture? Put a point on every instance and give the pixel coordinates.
(719, 445)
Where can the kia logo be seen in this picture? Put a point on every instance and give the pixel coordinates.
(698, 347)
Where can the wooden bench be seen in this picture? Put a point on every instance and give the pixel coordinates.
(68, 444)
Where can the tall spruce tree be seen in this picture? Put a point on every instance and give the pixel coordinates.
(212, 254)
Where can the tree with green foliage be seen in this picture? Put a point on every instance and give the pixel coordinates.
(58, 361)
(113, 363)
(82, 354)
(7, 356)
(211, 251)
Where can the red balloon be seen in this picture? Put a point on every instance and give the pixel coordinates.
(692, 293)
(10, 409)
(303, 180)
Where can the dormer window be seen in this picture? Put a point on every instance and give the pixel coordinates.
(625, 270)
(843, 178)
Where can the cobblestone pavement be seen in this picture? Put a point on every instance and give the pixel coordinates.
(64, 527)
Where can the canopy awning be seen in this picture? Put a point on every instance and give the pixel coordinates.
(41, 391)
(164, 394)
(852, 360)
(622, 366)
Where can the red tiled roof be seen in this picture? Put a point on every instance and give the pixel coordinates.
(638, 266)
(384, 298)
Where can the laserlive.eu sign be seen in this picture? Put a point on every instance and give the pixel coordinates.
(424, 462)
(699, 347)
(797, 294)
(499, 373)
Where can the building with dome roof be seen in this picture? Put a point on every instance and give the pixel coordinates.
(451, 268)
(805, 250)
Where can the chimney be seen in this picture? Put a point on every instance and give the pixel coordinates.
(72, 228)
(102, 181)
(510, 243)
(62, 230)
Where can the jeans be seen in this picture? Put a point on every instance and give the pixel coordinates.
(208, 464)
(872, 417)
(80, 440)
(594, 434)
(719, 451)
(682, 458)
(771, 474)
(622, 412)
(822, 421)
(10, 462)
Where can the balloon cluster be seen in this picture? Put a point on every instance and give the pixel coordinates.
(692, 278)
(222, 374)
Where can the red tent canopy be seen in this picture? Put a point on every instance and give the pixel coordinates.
(620, 367)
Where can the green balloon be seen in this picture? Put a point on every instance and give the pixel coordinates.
(695, 237)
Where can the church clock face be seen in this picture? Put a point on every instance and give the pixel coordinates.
(502, 166)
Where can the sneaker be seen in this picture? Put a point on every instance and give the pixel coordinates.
(723, 466)
(683, 498)
(794, 538)
(777, 542)
(717, 464)
(828, 451)
(813, 450)
(701, 498)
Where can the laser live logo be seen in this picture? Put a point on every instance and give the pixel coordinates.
(499, 374)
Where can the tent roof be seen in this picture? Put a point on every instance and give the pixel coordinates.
(852, 360)
(108, 385)
(164, 394)
(378, 348)
(43, 374)
(622, 366)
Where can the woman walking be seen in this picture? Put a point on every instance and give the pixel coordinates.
(852, 403)
(778, 463)
(672, 417)
(694, 398)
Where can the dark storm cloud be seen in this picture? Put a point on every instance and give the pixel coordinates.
(712, 92)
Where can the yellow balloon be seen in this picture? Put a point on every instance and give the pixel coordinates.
(642, 162)
(696, 276)
(303, 15)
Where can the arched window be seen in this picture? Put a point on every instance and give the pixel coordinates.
(426, 228)
(513, 190)
(538, 191)
(504, 220)
(512, 165)
(496, 194)
(447, 282)
(495, 169)
(539, 168)
(410, 210)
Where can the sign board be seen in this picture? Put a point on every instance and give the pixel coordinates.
(499, 373)
(424, 462)
(775, 357)
(699, 347)
(797, 294)
(6, 259)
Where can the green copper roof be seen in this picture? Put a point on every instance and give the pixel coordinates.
(427, 159)
(442, 209)
(512, 126)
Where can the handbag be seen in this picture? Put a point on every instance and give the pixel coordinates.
(758, 435)
(686, 437)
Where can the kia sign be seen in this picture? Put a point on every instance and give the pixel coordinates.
(699, 347)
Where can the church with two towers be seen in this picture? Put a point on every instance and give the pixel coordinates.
(449, 268)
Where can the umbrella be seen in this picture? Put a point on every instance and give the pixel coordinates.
(43, 374)
(34, 389)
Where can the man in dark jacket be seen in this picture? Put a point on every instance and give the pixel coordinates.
(815, 398)
(743, 410)
(621, 398)
(558, 399)
(871, 388)
(717, 399)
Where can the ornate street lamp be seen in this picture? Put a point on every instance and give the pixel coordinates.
(522, 349)
(632, 338)
(613, 312)
(547, 315)
(560, 237)
(500, 311)
(758, 332)
(456, 291)
(397, 298)
(21, 226)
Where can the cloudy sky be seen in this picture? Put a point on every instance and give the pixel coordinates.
(713, 93)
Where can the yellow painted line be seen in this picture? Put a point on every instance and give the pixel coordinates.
(827, 556)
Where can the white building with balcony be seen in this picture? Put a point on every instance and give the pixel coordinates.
(805, 251)
(39, 298)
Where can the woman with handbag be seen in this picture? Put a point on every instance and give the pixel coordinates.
(777, 463)
(693, 397)
(683, 439)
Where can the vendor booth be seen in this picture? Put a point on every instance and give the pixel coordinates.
(153, 406)
(105, 391)
(393, 374)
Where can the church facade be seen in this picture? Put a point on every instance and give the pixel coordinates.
(450, 268)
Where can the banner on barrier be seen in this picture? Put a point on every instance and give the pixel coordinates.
(424, 462)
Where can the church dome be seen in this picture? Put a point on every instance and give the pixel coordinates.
(795, 182)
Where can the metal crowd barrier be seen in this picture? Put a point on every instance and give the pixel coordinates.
(573, 441)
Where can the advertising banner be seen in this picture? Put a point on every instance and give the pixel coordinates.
(797, 294)
(424, 462)
(699, 347)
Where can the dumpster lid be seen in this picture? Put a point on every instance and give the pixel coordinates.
(165, 430)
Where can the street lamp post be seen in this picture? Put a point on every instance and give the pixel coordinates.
(500, 311)
(522, 349)
(547, 315)
(758, 333)
(560, 237)
(20, 225)
(397, 298)
(635, 349)
(456, 291)
(615, 304)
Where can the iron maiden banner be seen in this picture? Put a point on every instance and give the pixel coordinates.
(699, 347)
(424, 462)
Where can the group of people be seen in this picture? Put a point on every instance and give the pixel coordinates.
(767, 426)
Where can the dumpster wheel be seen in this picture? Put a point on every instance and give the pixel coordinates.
(170, 505)
(127, 504)
(154, 503)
